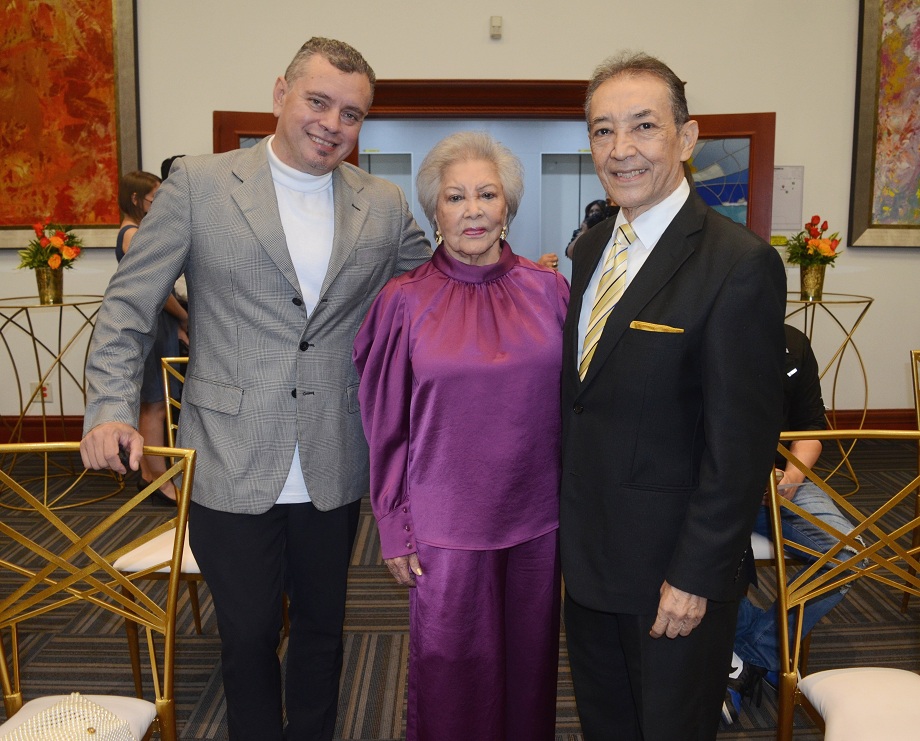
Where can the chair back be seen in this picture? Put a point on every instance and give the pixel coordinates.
(173, 372)
(60, 558)
(915, 372)
(879, 548)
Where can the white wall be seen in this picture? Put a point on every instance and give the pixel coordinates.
(795, 58)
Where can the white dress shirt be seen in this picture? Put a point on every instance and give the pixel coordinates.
(648, 226)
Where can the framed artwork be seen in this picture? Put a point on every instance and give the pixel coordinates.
(721, 173)
(70, 124)
(885, 186)
(738, 167)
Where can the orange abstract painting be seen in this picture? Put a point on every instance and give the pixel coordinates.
(58, 114)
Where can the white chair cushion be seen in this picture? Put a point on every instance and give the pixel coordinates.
(156, 551)
(138, 714)
(762, 547)
(866, 703)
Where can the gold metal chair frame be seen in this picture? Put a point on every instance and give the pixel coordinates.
(881, 556)
(915, 374)
(77, 566)
(169, 368)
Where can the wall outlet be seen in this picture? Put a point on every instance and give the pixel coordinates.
(47, 392)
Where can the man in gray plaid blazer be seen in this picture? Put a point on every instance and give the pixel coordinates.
(283, 246)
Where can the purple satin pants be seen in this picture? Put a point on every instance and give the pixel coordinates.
(484, 643)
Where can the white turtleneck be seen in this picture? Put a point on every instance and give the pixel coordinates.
(308, 217)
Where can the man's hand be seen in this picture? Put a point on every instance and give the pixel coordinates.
(679, 612)
(100, 448)
(404, 569)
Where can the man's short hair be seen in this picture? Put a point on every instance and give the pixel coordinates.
(640, 63)
(340, 55)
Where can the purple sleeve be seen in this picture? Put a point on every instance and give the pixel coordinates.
(381, 355)
(562, 293)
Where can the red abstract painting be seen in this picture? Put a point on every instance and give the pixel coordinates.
(58, 115)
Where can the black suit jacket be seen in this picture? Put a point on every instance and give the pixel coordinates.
(668, 441)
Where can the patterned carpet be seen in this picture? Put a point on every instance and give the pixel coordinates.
(88, 653)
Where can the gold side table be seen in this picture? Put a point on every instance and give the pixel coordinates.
(845, 312)
(48, 344)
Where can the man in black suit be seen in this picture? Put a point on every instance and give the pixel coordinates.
(670, 423)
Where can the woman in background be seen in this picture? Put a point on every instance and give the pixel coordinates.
(460, 363)
(595, 213)
(136, 192)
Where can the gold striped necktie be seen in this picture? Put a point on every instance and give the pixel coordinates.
(609, 289)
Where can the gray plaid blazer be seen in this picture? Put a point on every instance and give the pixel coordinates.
(262, 374)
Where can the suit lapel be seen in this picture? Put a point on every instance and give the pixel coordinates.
(591, 248)
(351, 211)
(255, 196)
(588, 252)
(674, 247)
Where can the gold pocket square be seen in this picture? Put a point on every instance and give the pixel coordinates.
(649, 327)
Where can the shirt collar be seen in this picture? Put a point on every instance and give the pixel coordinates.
(650, 225)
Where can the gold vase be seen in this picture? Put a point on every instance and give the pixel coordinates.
(50, 285)
(812, 282)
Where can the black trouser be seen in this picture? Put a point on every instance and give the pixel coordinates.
(632, 687)
(247, 562)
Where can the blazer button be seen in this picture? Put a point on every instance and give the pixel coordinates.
(297, 301)
(408, 544)
(294, 393)
(578, 409)
(304, 345)
(407, 528)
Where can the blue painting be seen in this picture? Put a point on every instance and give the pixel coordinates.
(720, 170)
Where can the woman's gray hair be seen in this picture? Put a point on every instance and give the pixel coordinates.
(639, 63)
(463, 147)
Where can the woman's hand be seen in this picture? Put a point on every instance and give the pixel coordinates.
(404, 569)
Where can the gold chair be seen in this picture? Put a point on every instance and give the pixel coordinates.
(850, 703)
(75, 564)
(915, 372)
(173, 370)
(141, 560)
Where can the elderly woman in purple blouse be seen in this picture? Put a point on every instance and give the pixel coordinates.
(460, 369)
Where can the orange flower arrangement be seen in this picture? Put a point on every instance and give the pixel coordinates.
(54, 246)
(811, 247)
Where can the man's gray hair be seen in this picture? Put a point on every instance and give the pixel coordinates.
(639, 63)
(463, 147)
(340, 55)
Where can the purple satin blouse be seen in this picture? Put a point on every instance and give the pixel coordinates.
(460, 378)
